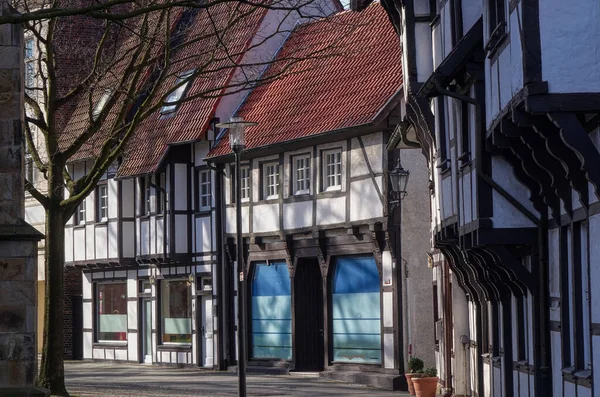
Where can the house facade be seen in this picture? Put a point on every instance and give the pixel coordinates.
(335, 268)
(502, 100)
(148, 239)
(336, 264)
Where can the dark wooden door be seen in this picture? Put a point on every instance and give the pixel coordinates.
(308, 291)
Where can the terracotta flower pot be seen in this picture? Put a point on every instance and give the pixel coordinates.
(425, 387)
(409, 381)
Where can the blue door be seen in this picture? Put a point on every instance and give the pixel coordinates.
(356, 305)
(271, 311)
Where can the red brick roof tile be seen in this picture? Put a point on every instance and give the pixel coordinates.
(345, 85)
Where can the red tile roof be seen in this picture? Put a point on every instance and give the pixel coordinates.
(190, 122)
(236, 24)
(350, 68)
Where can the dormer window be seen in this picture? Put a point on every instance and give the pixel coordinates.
(101, 104)
(181, 85)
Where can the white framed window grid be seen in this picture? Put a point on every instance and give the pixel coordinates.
(332, 169)
(245, 183)
(204, 185)
(301, 174)
(271, 180)
(102, 203)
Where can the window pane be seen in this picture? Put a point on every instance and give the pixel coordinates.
(356, 311)
(176, 311)
(112, 312)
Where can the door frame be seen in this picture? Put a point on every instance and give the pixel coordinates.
(142, 328)
(295, 326)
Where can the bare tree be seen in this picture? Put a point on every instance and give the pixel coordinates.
(131, 57)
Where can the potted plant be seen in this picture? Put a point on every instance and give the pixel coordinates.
(426, 385)
(415, 367)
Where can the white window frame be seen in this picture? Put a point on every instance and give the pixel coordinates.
(301, 174)
(171, 102)
(97, 313)
(204, 196)
(332, 169)
(270, 180)
(245, 183)
(79, 218)
(102, 208)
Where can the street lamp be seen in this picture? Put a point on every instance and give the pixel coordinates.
(237, 142)
(399, 180)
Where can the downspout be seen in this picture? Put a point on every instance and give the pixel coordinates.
(164, 199)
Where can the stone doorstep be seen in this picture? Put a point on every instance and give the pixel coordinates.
(374, 379)
(24, 392)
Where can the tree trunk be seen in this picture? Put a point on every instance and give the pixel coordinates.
(52, 372)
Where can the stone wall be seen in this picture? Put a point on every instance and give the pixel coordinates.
(18, 240)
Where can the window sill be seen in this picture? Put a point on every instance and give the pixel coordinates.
(302, 193)
(112, 345)
(103, 222)
(79, 226)
(333, 189)
(270, 199)
(175, 347)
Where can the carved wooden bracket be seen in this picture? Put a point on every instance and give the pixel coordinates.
(379, 243)
(290, 257)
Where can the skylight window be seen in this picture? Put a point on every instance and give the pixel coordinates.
(101, 104)
(172, 101)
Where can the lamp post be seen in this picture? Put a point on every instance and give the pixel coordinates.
(237, 142)
(399, 180)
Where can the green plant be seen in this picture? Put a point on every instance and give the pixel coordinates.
(430, 372)
(415, 364)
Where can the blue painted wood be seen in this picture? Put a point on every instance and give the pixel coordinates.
(356, 314)
(271, 311)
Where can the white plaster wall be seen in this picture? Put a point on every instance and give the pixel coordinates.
(230, 220)
(79, 242)
(424, 50)
(180, 192)
(594, 248)
(570, 56)
(181, 234)
(200, 151)
(331, 210)
(128, 239)
(101, 242)
(445, 23)
(265, 218)
(297, 215)
(365, 202)
(373, 144)
(127, 196)
(436, 38)
(203, 234)
(556, 356)
(471, 12)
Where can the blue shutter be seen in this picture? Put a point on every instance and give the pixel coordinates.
(271, 311)
(356, 307)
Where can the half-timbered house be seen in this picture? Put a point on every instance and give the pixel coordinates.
(148, 238)
(502, 97)
(336, 270)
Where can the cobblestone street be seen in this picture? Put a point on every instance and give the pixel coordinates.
(87, 379)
